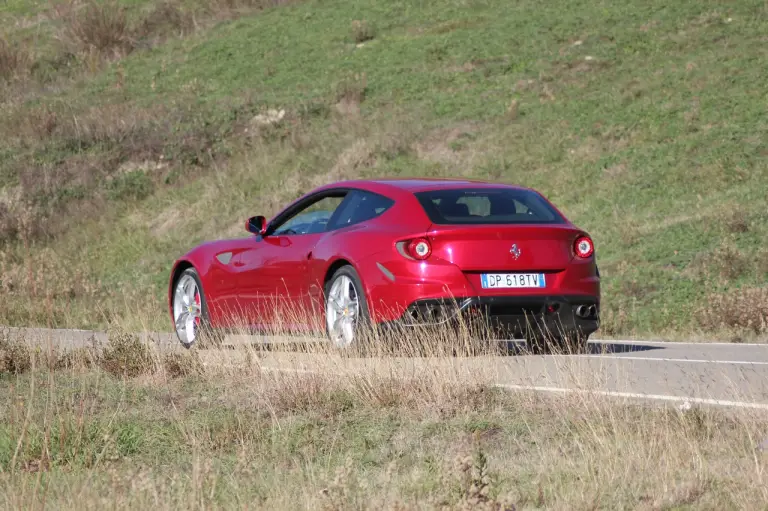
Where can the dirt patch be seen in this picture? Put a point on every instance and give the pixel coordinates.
(439, 146)
(357, 156)
(348, 107)
(609, 140)
(617, 172)
(167, 222)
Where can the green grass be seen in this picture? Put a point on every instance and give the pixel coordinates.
(645, 122)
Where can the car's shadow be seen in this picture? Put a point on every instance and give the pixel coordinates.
(515, 348)
(607, 347)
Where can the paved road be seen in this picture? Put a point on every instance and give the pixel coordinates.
(718, 374)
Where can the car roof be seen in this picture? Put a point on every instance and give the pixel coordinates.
(414, 185)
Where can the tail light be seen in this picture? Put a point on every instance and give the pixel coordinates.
(583, 247)
(419, 248)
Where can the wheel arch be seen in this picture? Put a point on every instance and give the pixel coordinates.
(176, 272)
(340, 263)
(333, 267)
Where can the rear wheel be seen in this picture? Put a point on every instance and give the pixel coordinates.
(346, 309)
(190, 310)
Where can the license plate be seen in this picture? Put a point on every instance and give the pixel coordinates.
(512, 280)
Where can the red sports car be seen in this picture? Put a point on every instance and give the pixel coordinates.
(406, 252)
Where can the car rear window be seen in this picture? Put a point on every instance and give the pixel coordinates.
(487, 206)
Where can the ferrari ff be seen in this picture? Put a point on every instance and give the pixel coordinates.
(405, 252)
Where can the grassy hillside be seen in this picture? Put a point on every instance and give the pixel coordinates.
(129, 134)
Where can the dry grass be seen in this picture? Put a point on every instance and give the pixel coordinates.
(362, 31)
(15, 355)
(88, 155)
(89, 184)
(728, 262)
(106, 30)
(166, 19)
(351, 90)
(354, 435)
(101, 28)
(116, 152)
(76, 359)
(179, 364)
(742, 311)
(126, 355)
(77, 38)
(14, 61)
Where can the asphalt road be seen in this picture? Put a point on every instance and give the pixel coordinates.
(711, 374)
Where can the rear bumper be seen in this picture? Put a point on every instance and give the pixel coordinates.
(511, 317)
(393, 286)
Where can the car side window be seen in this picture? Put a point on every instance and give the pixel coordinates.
(361, 207)
(312, 219)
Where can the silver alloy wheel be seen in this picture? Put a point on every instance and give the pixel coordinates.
(187, 311)
(341, 311)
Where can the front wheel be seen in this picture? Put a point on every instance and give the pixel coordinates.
(190, 309)
(346, 309)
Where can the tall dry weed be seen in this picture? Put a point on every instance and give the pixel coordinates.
(15, 355)
(127, 356)
(167, 18)
(98, 27)
(14, 60)
(82, 358)
(352, 89)
(181, 364)
(362, 31)
(740, 310)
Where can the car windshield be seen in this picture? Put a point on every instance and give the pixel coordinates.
(487, 206)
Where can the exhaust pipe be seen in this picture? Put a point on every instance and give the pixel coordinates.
(586, 311)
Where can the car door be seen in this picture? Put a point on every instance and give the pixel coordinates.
(358, 207)
(272, 280)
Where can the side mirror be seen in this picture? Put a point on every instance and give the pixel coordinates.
(256, 225)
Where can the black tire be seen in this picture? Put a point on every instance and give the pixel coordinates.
(363, 324)
(206, 335)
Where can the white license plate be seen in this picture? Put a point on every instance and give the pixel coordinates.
(512, 280)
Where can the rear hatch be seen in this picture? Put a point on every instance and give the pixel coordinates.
(500, 259)
(505, 249)
(505, 240)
